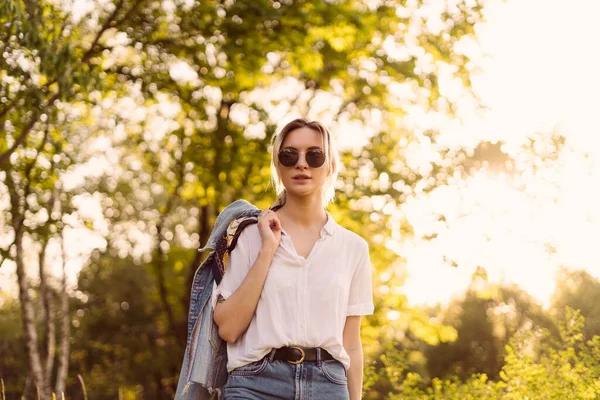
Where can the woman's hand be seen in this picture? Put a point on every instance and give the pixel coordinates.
(269, 228)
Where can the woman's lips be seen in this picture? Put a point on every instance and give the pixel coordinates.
(301, 179)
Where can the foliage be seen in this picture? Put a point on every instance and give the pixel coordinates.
(12, 368)
(486, 320)
(579, 290)
(567, 368)
(118, 317)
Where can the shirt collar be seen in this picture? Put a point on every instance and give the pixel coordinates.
(327, 229)
(329, 226)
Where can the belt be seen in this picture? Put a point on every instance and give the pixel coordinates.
(296, 355)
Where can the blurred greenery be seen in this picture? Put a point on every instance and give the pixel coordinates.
(161, 111)
(566, 368)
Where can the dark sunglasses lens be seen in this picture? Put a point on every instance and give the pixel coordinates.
(288, 158)
(315, 158)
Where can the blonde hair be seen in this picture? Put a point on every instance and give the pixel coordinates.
(331, 158)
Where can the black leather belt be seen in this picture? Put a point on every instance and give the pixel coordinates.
(296, 355)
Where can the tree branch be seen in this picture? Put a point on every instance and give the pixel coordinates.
(34, 118)
(110, 21)
(4, 157)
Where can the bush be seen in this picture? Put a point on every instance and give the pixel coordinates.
(534, 368)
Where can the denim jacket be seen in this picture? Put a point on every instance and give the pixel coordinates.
(204, 368)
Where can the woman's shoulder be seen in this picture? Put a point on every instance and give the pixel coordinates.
(250, 235)
(352, 239)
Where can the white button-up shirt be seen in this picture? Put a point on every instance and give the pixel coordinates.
(304, 302)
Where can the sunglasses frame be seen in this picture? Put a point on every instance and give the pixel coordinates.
(306, 156)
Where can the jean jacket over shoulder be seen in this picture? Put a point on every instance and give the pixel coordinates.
(204, 368)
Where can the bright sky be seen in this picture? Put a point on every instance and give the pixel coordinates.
(542, 75)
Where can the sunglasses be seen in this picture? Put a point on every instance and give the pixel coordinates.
(289, 157)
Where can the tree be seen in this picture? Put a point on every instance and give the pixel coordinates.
(486, 320)
(207, 75)
(580, 291)
(46, 63)
(119, 320)
(36, 211)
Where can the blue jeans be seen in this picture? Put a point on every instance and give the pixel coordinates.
(269, 379)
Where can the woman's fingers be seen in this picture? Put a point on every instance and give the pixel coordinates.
(269, 227)
(273, 219)
(274, 224)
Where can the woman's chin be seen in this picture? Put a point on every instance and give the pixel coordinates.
(298, 191)
(302, 192)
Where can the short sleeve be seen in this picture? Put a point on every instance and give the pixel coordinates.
(236, 271)
(360, 300)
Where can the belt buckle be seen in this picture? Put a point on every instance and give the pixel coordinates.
(301, 359)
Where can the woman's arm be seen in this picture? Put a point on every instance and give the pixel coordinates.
(353, 346)
(233, 315)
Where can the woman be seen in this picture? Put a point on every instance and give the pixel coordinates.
(290, 301)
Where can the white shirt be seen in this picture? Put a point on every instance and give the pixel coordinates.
(304, 302)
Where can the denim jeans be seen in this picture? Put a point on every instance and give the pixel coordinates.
(269, 379)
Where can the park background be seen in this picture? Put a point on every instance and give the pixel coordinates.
(468, 132)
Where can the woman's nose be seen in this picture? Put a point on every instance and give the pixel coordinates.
(301, 160)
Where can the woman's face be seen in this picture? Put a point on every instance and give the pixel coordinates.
(303, 140)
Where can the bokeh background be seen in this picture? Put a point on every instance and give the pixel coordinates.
(471, 165)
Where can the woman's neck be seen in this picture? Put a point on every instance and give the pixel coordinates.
(305, 212)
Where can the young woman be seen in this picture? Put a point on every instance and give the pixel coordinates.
(290, 301)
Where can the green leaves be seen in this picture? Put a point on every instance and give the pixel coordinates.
(559, 371)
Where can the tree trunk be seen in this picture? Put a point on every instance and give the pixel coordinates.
(49, 324)
(162, 256)
(34, 359)
(28, 318)
(159, 269)
(65, 328)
